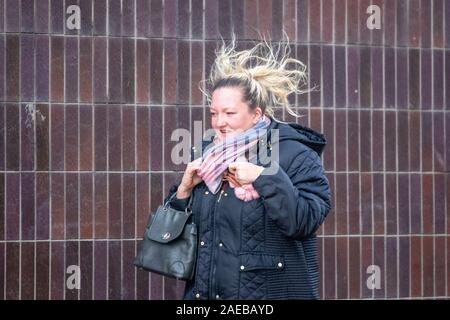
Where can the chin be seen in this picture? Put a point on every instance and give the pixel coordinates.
(221, 135)
(228, 135)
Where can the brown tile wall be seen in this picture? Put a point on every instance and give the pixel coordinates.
(86, 117)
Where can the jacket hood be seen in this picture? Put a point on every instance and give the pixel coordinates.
(294, 131)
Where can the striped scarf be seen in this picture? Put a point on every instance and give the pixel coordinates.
(218, 156)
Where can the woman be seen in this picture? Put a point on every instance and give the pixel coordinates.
(256, 224)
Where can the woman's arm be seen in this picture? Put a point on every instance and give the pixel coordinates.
(175, 202)
(184, 189)
(298, 200)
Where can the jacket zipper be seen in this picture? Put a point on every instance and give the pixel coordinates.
(212, 290)
(220, 196)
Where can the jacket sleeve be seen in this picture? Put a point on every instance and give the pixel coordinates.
(298, 199)
(175, 203)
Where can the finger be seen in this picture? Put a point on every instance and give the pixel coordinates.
(195, 162)
(232, 167)
(191, 171)
(233, 180)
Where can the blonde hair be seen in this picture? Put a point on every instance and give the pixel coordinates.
(262, 72)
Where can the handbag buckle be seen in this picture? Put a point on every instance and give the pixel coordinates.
(166, 236)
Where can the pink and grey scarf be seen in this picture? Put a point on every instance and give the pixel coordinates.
(216, 159)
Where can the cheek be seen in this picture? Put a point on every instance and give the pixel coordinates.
(244, 122)
(213, 123)
(236, 122)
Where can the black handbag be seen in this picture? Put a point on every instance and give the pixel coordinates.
(169, 245)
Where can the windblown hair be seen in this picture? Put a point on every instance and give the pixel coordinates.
(265, 73)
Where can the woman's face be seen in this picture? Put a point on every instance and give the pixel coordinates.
(229, 114)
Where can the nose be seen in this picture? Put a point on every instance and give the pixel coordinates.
(220, 122)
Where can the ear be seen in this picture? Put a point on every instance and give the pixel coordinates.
(257, 115)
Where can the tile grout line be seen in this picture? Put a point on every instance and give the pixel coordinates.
(92, 166)
(192, 140)
(346, 152)
(135, 146)
(333, 56)
(432, 142)
(4, 201)
(3, 36)
(122, 108)
(204, 61)
(295, 20)
(359, 155)
(50, 163)
(270, 33)
(446, 206)
(421, 158)
(319, 43)
(107, 152)
(149, 177)
(79, 166)
(20, 150)
(320, 108)
(372, 178)
(308, 49)
(422, 290)
(198, 106)
(319, 236)
(383, 140)
(34, 159)
(372, 193)
(93, 163)
(163, 100)
(409, 176)
(5, 184)
(149, 282)
(444, 98)
(64, 59)
(179, 171)
(385, 204)
(397, 209)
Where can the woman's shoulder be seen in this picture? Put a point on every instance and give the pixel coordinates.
(296, 143)
(292, 152)
(295, 132)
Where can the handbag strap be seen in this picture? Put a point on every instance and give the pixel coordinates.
(188, 206)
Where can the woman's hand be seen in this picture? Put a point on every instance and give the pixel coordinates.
(245, 172)
(190, 179)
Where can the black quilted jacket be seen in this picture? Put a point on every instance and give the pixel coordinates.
(265, 248)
